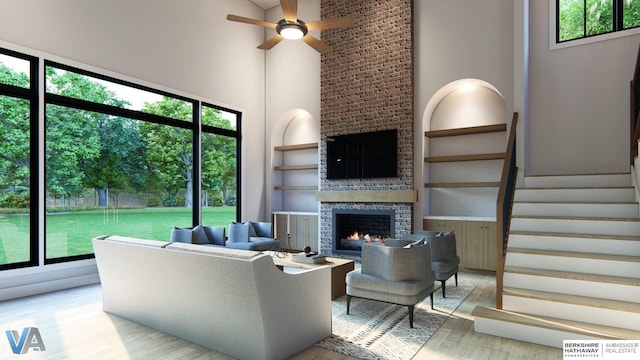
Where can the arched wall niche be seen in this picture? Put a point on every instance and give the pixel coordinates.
(460, 104)
(295, 126)
(470, 94)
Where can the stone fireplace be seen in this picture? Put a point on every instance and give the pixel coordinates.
(367, 85)
(353, 228)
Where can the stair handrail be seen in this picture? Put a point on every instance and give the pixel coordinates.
(504, 205)
(634, 129)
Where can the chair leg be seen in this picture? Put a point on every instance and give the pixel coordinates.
(410, 315)
(442, 282)
(348, 303)
(456, 276)
(431, 295)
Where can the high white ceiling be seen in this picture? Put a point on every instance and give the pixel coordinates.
(266, 4)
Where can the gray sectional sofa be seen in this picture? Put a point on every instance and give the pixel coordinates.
(250, 235)
(236, 302)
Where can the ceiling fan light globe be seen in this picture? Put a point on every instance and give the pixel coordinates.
(291, 32)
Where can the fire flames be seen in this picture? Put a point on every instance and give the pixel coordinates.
(366, 237)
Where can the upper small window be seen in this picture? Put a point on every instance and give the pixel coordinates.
(74, 84)
(578, 19)
(15, 71)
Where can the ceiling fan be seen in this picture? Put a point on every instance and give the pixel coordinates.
(293, 28)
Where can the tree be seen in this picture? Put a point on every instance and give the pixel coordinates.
(97, 160)
(218, 156)
(70, 142)
(120, 164)
(580, 18)
(15, 130)
(170, 149)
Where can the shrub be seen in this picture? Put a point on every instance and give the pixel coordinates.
(215, 201)
(15, 201)
(170, 202)
(231, 201)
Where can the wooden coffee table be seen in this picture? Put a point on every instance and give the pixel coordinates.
(339, 270)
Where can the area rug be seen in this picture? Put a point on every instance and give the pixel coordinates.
(377, 330)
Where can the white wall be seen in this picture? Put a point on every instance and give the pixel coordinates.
(454, 40)
(292, 95)
(579, 102)
(186, 46)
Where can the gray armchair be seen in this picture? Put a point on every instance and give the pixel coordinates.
(252, 235)
(398, 275)
(444, 260)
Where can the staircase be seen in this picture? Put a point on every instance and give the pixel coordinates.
(572, 267)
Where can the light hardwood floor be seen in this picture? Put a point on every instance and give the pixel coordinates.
(73, 326)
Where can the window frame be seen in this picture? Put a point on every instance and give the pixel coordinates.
(40, 98)
(32, 95)
(554, 29)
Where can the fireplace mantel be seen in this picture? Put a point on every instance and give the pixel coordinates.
(368, 196)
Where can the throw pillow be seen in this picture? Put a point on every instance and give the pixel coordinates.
(181, 235)
(199, 236)
(215, 235)
(417, 243)
(252, 231)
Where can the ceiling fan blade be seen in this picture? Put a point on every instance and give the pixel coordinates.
(271, 42)
(247, 20)
(340, 22)
(317, 44)
(289, 10)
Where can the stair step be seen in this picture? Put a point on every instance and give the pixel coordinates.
(600, 244)
(577, 225)
(605, 312)
(580, 262)
(575, 254)
(607, 194)
(575, 276)
(543, 330)
(572, 283)
(631, 307)
(599, 180)
(577, 208)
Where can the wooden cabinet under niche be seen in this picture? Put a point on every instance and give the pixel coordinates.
(475, 239)
(295, 230)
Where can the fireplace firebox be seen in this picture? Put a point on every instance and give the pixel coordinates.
(352, 228)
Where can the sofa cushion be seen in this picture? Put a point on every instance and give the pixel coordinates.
(136, 241)
(256, 244)
(199, 236)
(214, 250)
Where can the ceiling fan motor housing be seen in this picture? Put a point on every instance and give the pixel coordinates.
(298, 25)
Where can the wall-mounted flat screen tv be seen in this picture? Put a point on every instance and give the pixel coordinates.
(363, 155)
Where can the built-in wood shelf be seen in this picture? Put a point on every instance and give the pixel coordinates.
(473, 157)
(301, 187)
(296, 147)
(480, 184)
(466, 131)
(296, 167)
(306, 146)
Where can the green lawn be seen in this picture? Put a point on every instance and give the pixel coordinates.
(71, 233)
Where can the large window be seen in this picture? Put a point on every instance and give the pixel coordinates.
(578, 19)
(18, 131)
(118, 158)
